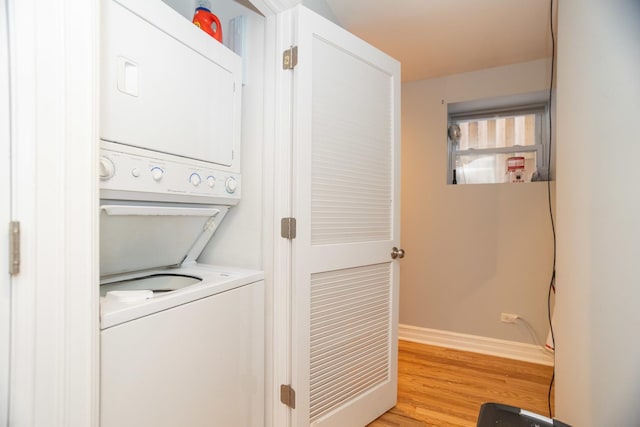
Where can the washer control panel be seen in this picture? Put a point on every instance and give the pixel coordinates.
(134, 174)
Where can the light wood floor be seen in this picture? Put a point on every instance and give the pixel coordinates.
(443, 387)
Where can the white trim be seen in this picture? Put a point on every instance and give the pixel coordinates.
(477, 344)
(273, 7)
(277, 251)
(54, 365)
(5, 217)
(278, 6)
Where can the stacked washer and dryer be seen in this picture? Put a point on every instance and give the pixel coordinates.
(182, 343)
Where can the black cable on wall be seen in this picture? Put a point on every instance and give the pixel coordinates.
(553, 226)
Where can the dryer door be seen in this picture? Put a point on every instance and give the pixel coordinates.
(166, 85)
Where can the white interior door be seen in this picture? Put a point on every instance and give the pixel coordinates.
(5, 215)
(346, 171)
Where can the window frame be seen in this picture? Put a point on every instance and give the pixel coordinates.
(541, 148)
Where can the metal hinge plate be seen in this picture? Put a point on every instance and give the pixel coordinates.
(290, 58)
(14, 247)
(288, 228)
(288, 395)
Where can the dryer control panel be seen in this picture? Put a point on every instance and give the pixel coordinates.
(129, 173)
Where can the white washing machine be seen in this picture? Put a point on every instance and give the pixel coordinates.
(182, 343)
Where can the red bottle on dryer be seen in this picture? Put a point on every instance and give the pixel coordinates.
(207, 21)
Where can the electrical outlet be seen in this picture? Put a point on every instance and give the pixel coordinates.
(508, 317)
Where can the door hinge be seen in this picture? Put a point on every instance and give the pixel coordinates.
(288, 228)
(288, 395)
(290, 58)
(14, 247)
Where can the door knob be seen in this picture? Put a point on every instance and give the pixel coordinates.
(397, 253)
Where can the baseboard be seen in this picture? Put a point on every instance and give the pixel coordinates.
(491, 346)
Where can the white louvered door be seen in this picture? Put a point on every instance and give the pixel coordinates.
(346, 157)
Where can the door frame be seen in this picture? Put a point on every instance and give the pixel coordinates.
(5, 216)
(277, 205)
(54, 325)
(55, 321)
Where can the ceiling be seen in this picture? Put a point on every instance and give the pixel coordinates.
(433, 38)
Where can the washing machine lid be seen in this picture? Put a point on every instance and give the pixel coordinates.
(140, 236)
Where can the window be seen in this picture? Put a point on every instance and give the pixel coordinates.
(498, 145)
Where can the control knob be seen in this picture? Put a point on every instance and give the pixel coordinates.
(107, 168)
(195, 179)
(211, 181)
(231, 184)
(157, 173)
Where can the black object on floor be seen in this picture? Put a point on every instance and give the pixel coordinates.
(498, 415)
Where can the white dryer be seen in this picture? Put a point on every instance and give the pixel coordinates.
(182, 344)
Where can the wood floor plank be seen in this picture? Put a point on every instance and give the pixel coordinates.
(441, 387)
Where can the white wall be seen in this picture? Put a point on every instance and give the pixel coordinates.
(598, 315)
(473, 251)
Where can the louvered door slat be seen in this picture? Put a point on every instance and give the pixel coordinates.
(350, 333)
